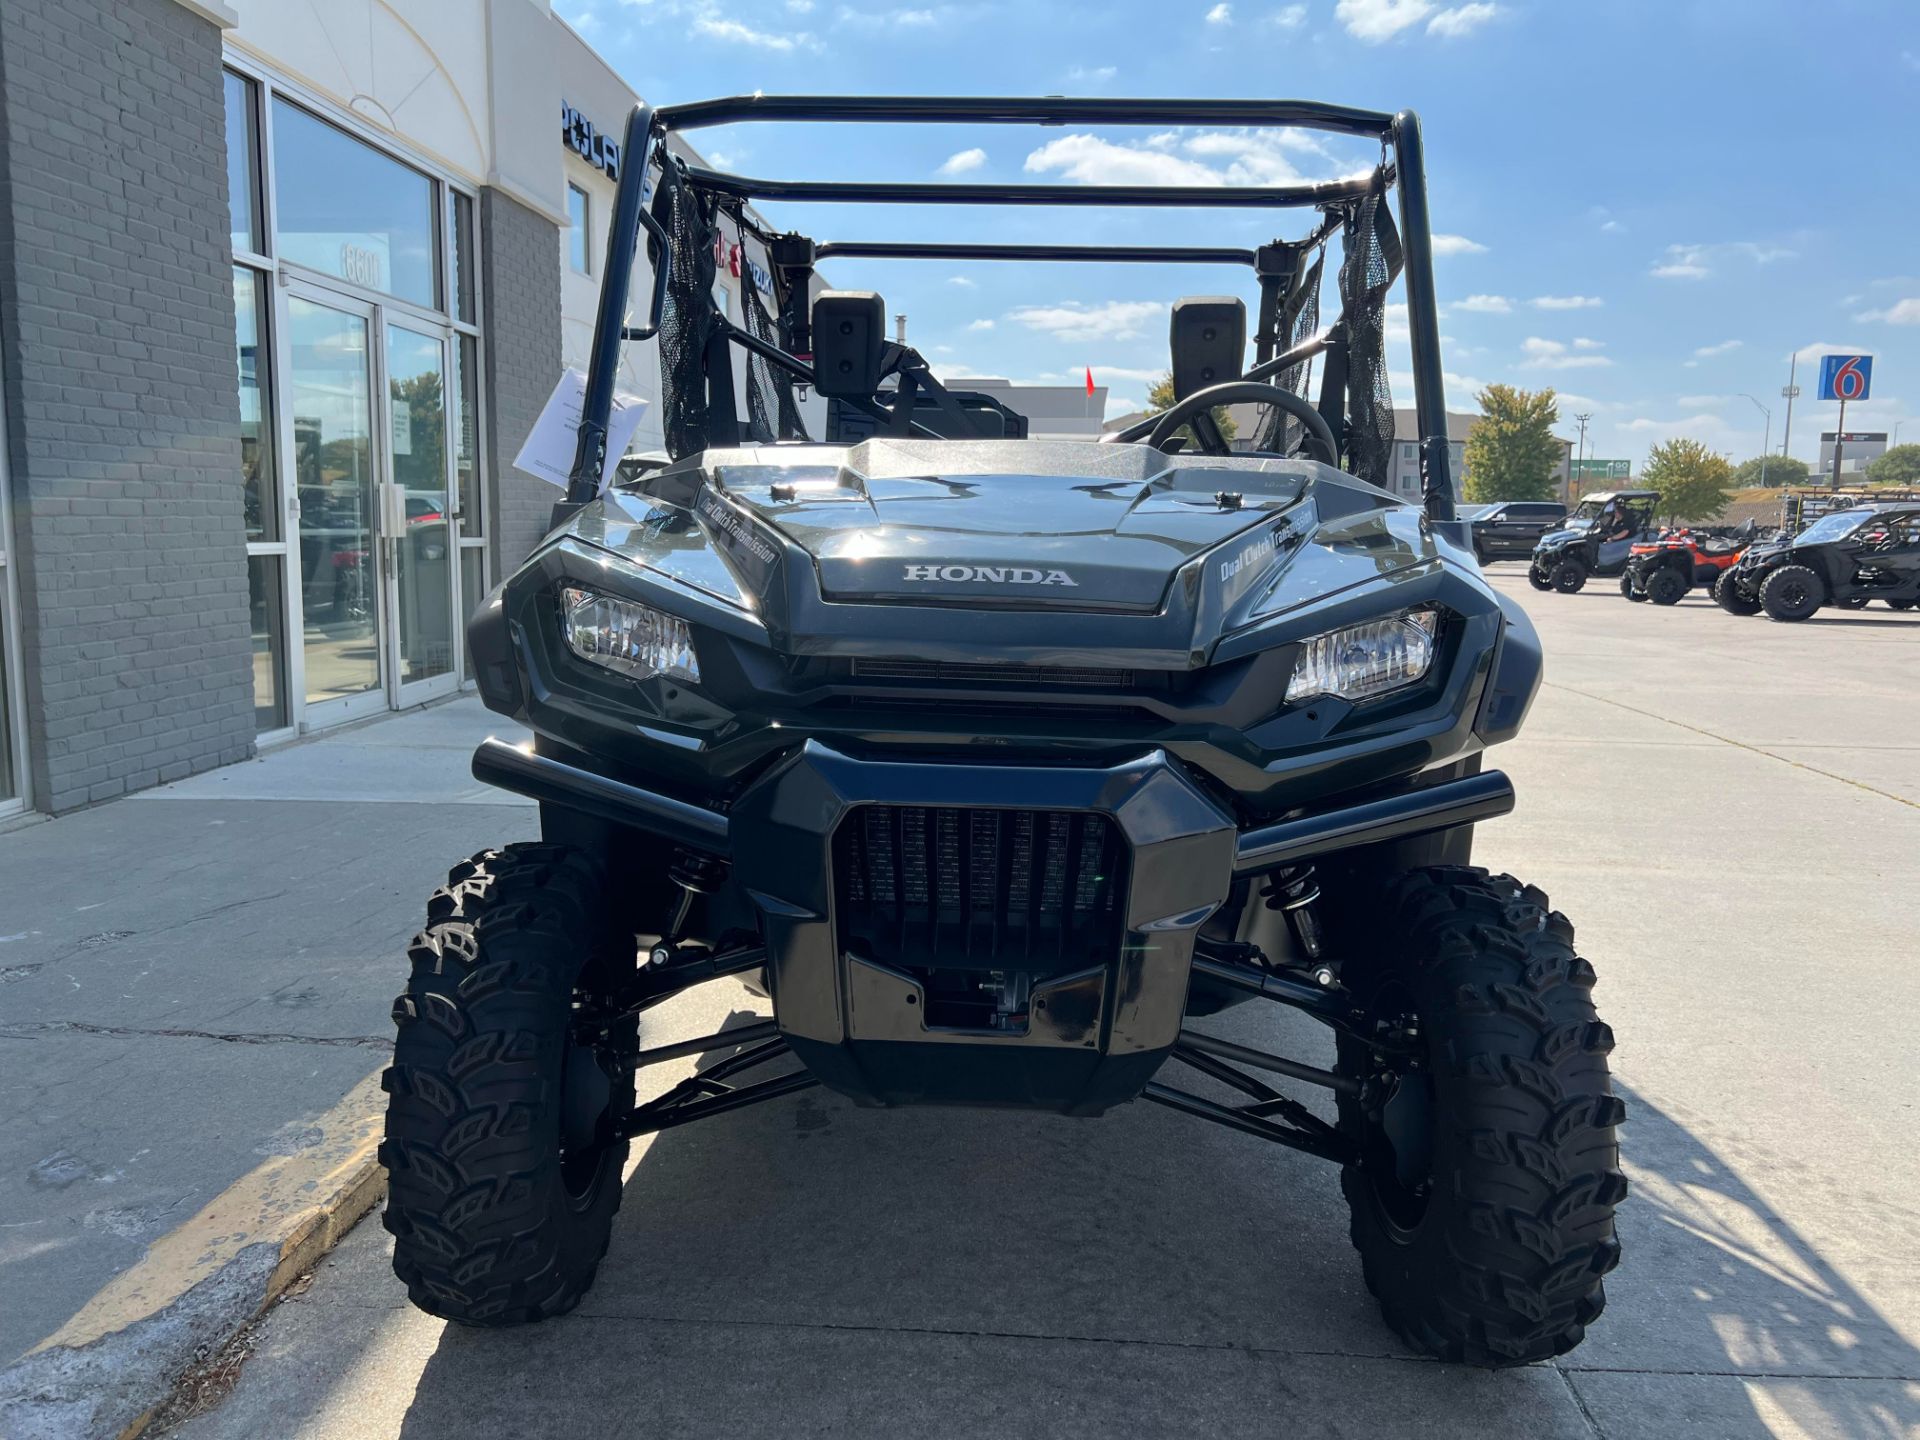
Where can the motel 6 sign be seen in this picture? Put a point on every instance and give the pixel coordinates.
(1845, 377)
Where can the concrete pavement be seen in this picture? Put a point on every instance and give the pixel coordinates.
(1730, 811)
(188, 978)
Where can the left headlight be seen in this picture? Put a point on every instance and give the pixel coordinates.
(634, 639)
(1363, 661)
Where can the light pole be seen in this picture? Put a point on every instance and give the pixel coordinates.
(1767, 443)
(1572, 485)
(1789, 392)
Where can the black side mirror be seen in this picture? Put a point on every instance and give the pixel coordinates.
(849, 335)
(1209, 342)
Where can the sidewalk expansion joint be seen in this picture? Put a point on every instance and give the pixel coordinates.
(26, 1030)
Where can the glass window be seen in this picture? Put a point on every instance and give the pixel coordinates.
(266, 595)
(347, 210)
(466, 434)
(243, 164)
(256, 409)
(460, 227)
(578, 248)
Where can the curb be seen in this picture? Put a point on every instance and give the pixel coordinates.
(106, 1371)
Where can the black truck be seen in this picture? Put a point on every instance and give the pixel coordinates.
(997, 764)
(1510, 531)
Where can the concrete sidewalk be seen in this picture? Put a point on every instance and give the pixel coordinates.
(189, 977)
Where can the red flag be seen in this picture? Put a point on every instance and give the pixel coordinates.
(1089, 379)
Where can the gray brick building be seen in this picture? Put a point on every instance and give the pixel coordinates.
(283, 286)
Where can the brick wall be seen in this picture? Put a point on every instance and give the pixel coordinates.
(520, 278)
(116, 314)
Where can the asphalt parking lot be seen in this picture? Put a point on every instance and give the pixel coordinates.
(1729, 810)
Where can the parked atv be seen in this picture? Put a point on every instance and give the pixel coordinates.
(1597, 539)
(1663, 570)
(996, 764)
(1846, 558)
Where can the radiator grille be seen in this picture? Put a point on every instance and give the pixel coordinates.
(1031, 675)
(989, 889)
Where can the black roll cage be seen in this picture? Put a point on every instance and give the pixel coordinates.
(1398, 134)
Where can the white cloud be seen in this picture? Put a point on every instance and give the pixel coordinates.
(1704, 402)
(1655, 430)
(1457, 245)
(1461, 20)
(1376, 20)
(717, 27)
(584, 23)
(1221, 14)
(1901, 312)
(800, 7)
(1827, 347)
(1611, 227)
(965, 282)
(1288, 17)
(1555, 355)
(1118, 405)
(1114, 320)
(980, 325)
(881, 19)
(1566, 302)
(1725, 347)
(1696, 262)
(1483, 305)
(1095, 75)
(1583, 343)
(1241, 157)
(963, 161)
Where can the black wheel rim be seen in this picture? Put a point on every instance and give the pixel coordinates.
(1396, 1154)
(586, 1109)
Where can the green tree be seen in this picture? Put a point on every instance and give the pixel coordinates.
(1693, 481)
(1899, 466)
(1160, 397)
(1512, 453)
(1779, 469)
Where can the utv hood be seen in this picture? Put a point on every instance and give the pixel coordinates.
(1023, 525)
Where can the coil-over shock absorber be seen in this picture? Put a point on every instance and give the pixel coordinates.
(1295, 893)
(696, 874)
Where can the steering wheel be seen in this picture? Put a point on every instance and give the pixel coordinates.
(1235, 392)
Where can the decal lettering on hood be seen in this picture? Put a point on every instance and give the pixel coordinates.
(988, 575)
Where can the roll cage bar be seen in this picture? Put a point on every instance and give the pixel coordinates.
(1399, 134)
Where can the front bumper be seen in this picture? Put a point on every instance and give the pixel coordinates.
(1099, 1023)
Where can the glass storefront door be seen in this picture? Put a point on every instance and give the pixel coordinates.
(376, 560)
(419, 529)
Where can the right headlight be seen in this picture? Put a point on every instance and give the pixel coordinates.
(1363, 661)
(625, 636)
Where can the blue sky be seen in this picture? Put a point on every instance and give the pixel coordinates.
(1650, 204)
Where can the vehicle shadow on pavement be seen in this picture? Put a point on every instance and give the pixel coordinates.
(807, 1266)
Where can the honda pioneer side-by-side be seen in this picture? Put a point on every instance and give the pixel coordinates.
(1846, 558)
(1596, 540)
(998, 764)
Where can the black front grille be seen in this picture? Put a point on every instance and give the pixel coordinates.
(942, 671)
(988, 889)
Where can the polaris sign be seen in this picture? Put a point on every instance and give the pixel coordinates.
(578, 134)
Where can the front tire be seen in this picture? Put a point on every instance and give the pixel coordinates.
(1730, 597)
(1791, 593)
(1664, 587)
(1482, 1205)
(1569, 576)
(1538, 578)
(1626, 588)
(504, 1164)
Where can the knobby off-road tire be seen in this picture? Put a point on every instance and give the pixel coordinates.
(1569, 577)
(1793, 592)
(1500, 1261)
(1626, 588)
(1901, 604)
(503, 1168)
(1538, 578)
(1727, 595)
(1664, 587)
